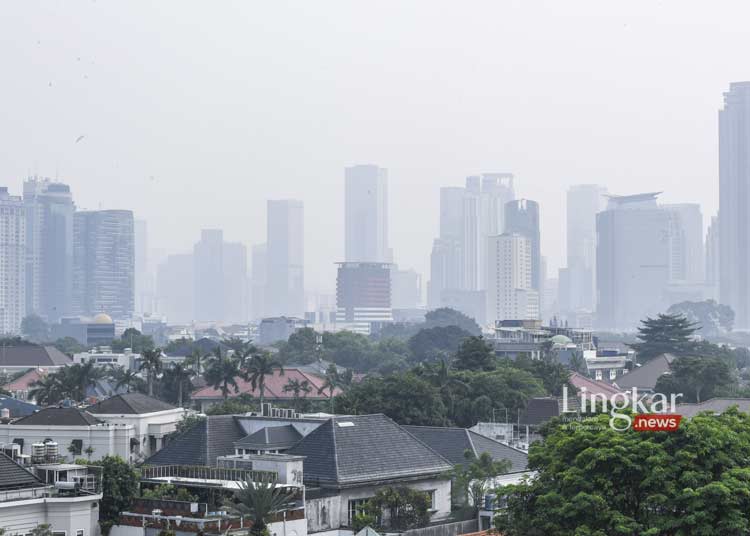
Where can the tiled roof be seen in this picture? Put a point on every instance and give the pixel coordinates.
(274, 387)
(13, 476)
(33, 355)
(271, 438)
(130, 404)
(540, 410)
(580, 381)
(23, 382)
(365, 449)
(452, 443)
(646, 376)
(214, 436)
(17, 408)
(58, 417)
(714, 405)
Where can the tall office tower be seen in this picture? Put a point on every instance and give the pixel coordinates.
(363, 295)
(522, 217)
(104, 263)
(235, 283)
(143, 280)
(406, 288)
(686, 254)
(208, 259)
(632, 261)
(175, 288)
(366, 214)
(471, 235)
(285, 257)
(258, 281)
(510, 294)
(12, 263)
(578, 278)
(446, 261)
(49, 248)
(712, 258)
(497, 191)
(734, 200)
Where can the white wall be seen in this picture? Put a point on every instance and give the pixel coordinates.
(104, 439)
(68, 514)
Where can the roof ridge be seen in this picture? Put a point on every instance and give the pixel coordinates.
(335, 450)
(471, 442)
(498, 442)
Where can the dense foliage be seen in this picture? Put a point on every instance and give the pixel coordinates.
(667, 333)
(711, 319)
(119, 488)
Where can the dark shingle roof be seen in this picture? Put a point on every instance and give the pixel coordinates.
(452, 443)
(646, 376)
(33, 355)
(271, 438)
(540, 410)
(58, 417)
(129, 403)
(365, 448)
(212, 437)
(17, 408)
(13, 476)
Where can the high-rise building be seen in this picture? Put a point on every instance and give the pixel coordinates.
(49, 248)
(175, 288)
(632, 261)
(258, 281)
(406, 288)
(734, 200)
(577, 283)
(366, 214)
(686, 254)
(12, 263)
(510, 294)
(522, 217)
(208, 259)
(712, 258)
(143, 279)
(104, 263)
(285, 257)
(363, 295)
(235, 283)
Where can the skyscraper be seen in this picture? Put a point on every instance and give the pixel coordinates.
(686, 253)
(208, 259)
(258, 281)
(49, 248)
(175, 288)
(12, 262)
(285, 257)
(712, 258)
(363, 295)
(734, 202)
(632, 260)
(510, 295)
(366, 214)
(235, 283)
(104, 263)
(522, 217)
(143, 282)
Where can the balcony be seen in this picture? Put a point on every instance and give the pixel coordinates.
(206, 476)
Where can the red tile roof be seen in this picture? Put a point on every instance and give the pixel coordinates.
(274, 387)
(23, 383)
(592, 386)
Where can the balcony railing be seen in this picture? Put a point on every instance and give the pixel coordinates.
(195, 472)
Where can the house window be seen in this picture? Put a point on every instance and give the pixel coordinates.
(76, 447)
(613, 374)
(79, 532)
(431, 495)
(59, 533)
(599, 375)
(356, 506)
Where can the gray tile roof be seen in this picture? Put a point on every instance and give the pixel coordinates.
(33, 355)
(540, 410)
(202, 444)
(17, 408)
(129, 403)
(714, 405)
(452, 443)
(645, 376)
(271, 438)
(363, 449)
(53, 416)
(13, 476)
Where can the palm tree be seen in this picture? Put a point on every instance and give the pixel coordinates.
(439, 375)
(259, 501)
(46, 390)
(197, 360)
(296, 387)
(151, 362)
(222, 372)
(180, 375)
(332, 382)
(258, 367)
(79, 377)
(127, 378)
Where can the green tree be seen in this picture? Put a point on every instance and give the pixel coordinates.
(436, 344)
(665, 334)
(302, 347)
(553, 374)
(259, 501)
(119, 488)
(222, 372)
(260, 366)
(127, 378)
(697, 378)
(712, 319)
(229, 407)
(44, 529)
(446, 316)
(401, 508)
(297, 387)
(69, 346)
(178, 376)
(332, 382)
(135, 340)
(474, 354)
(47, 390)
(152, 363)
(169, 492)
(34, 328)
(471, 480)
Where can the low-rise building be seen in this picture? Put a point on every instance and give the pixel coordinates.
(25, 356)
(104, 356)
(278, 329)
(96, 331)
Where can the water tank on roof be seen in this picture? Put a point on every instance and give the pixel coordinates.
(52, 450)
(38, 450)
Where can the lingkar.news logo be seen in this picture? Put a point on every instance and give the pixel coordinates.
(648, 413)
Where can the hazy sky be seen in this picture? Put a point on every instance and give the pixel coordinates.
(195, 113)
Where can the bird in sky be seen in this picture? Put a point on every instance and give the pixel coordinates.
(79, 138)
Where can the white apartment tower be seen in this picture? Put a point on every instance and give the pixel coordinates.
(366, 214)
(510, 292)
(12, 263)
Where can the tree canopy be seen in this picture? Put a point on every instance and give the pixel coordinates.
(711, 318)
(665, 334)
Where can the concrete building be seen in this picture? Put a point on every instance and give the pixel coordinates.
(522, 217)
(686, 252)
(632, 261)
(406, 289)
(734, 200)
(49, 248)
(175, 288)
(236, 293)
(258, 281)
(712, 259)
(208, 271)
(96, 331)
(510, 294)
(278, 328)
(104, 263)
(12, 263)
(144, 278)
(366, 214)
(285, 259)
(363, 295)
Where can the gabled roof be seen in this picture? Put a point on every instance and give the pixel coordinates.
(202, 444)
(580, 381)
(129, 404)
(452, 443)
(714, 405)
(13, 476)
(33, 355)
(362, 449)
(274, 387)
(17, 408)
(271, 438)
(23, 382)
(646, 376)
(53, 416)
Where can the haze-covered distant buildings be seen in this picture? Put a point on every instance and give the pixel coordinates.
(12, 262)
(510, 292)
(363, 295)
(366, 214)
(285, 258)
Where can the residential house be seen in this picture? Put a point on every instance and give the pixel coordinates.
(12, 408)
(20, 387)
(25, 356)
(645, 376)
